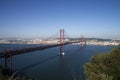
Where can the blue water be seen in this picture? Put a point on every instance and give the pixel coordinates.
(49, 65)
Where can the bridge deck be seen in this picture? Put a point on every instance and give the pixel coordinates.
(26, 50)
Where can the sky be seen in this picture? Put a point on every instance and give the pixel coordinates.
(43, 18)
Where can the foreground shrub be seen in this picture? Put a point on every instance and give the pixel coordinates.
(105, 66)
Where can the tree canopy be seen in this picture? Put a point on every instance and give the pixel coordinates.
(104, 66)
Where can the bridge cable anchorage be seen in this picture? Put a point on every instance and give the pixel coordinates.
(62, 42)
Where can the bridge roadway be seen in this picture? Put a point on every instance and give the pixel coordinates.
(26, 50)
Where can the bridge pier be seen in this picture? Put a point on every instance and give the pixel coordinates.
(10, 62)
(62, 42)
(8, 54)
(5, 57)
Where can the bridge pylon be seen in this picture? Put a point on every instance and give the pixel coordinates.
(82, 41)
(62, 37)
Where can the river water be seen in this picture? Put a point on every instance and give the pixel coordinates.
(49, 65)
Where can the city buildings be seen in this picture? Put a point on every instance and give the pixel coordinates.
(57, 41)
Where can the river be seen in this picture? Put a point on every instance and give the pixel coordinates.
(49, 65)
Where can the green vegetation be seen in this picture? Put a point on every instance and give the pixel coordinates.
(104, 66)
(8, 77)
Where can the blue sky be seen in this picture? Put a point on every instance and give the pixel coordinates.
(42, 18)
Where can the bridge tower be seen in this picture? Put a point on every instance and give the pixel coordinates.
(62, 37)
(82, 41)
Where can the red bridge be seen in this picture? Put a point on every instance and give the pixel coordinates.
(9, 53)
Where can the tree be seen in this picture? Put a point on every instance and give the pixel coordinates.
(12, 77)
(105, 66)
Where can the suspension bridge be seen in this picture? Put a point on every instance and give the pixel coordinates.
(62, 36)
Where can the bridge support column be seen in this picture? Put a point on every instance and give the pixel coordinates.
(5, 57)
(10, 63)
(62, 42)
(8, 55)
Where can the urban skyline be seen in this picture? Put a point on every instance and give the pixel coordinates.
(42, 18)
